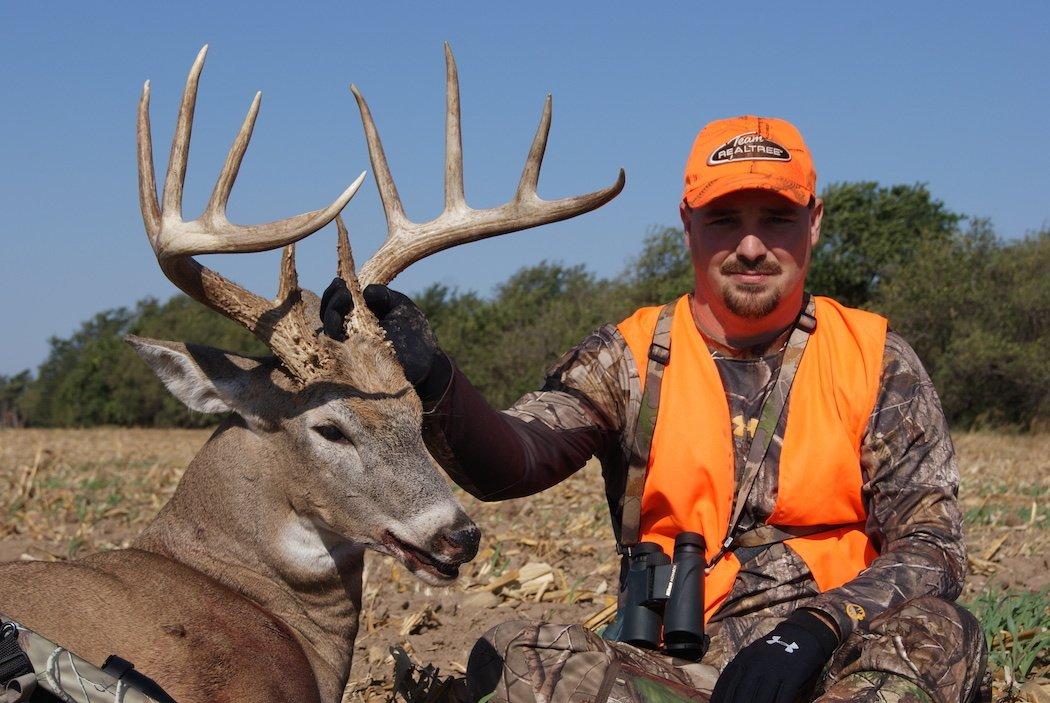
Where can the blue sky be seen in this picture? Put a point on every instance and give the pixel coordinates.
(950, 94)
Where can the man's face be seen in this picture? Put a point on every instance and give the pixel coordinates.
(751, 250)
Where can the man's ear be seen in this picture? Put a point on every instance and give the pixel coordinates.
(205, 379)
(815, 217)
(686, 213)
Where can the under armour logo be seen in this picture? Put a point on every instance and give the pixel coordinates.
(789, 648)
(740, 428)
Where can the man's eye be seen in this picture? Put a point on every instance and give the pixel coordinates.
(332, 434)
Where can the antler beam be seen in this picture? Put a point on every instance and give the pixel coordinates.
(408, 242)
(175, 241)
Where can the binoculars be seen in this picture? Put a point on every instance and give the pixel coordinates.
(661, 593)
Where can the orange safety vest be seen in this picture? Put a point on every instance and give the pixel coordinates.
(690, 480)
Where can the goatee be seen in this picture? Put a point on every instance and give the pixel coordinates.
(750, 303)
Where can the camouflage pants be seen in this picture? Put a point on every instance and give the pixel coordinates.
(925, 650)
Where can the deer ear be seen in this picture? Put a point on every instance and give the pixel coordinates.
(206, 379)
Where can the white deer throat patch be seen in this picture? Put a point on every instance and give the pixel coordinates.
(302, 548)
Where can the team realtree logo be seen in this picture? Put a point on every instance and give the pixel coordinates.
(748, 147)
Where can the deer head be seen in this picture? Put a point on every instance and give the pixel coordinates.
(334, 422)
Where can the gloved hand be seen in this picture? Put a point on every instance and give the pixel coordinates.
(779, 667)
(415, 345)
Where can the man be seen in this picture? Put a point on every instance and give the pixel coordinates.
(803, 439)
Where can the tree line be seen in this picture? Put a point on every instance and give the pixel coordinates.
(975, 307)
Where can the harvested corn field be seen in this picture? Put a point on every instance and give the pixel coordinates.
(72, 492)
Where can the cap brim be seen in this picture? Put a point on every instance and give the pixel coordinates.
(712, 190)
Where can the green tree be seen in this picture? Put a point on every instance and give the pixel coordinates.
(977, 312)
(870, 232)
(12, 392)
(55, 398)
(94, 377)
(663, 270)
(503, 344)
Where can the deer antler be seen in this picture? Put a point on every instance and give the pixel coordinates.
(408, 242)
(281, 324)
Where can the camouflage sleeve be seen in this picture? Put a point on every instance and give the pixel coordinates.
(545, 436)
(910, 488)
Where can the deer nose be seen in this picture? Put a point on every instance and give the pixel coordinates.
(458, 542)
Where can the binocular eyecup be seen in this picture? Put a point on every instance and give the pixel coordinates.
(664, 594)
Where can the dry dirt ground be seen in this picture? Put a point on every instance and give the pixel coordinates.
(67, 493)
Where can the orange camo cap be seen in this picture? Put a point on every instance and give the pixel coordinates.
(739, 153)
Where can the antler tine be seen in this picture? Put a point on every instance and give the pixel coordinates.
(180, 143)
(147, 180)
(346, 269)
(288, 282)
(408, 242)
(227, 238)
(361, 319)
(215, 210)
(287, 328)
(530, 175)
(395, 213)
(454, 197)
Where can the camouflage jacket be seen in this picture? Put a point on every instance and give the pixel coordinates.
(592, 395)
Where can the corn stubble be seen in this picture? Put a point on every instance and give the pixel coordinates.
(67, 493)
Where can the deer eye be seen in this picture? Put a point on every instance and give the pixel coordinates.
(332, 434)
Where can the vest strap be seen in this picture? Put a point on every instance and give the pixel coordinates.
(753, 542)
(659, 357)
(765, 535)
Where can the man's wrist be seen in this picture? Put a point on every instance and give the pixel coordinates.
(435, 384)
(819, 626)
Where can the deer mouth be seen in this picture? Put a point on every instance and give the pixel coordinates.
(418, 561)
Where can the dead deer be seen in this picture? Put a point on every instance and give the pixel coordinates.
(247, 584)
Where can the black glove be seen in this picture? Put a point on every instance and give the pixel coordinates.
(336, 304)
(426, 366)
(779, 667)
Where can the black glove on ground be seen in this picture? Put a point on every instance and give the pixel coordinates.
(426, 367)
(779, 667)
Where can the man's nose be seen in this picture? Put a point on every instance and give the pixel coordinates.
(751, 249)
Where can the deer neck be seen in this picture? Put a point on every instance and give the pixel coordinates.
(229, 522)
